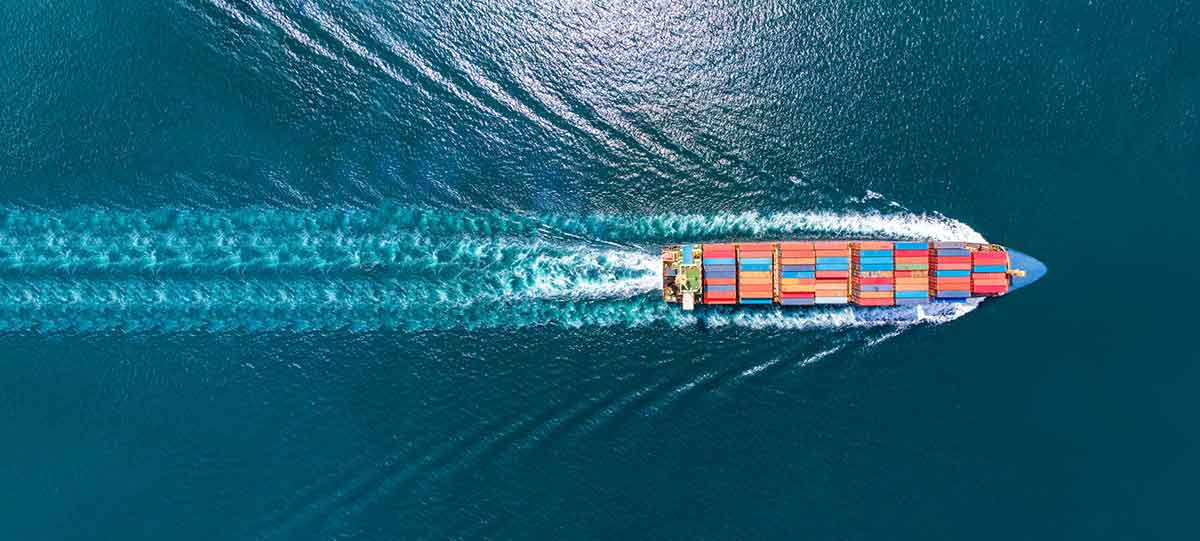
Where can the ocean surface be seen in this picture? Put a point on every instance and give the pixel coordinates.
(388, 270)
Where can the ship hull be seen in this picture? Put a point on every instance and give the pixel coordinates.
(842, 272)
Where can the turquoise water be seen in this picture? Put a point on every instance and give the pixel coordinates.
(382, 270)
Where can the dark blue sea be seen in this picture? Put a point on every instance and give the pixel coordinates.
(384, 270)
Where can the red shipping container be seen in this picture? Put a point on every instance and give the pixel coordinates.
(833, 274)
(875, 281)
(953, 266)
(720, 281)
(989, 275)
(796, 246)
(764, 246)
(874, 302)
(797, 295)
(755, 253)
(990, 256)
(966, 259)
(720, 301)
(989, 289)
(912, 253)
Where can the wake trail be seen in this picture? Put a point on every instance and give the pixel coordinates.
(408, 268)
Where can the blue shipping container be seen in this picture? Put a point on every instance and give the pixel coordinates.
(874, 287)
(953, 252)
(831, 260)
(797, 301)
(719, 288)
(876, 267)
(766, 267)
(875, 253)
(745, 300)
(912, 245)
(687, 254)
(718, 261)
(788, 274)
(720, 274)
(953, 273)
(912, 294)
(874, 260)
(901, 301)
(991, 268)
(809, 268)
(756, 260)
(719, 268)
(833, 267)
(957, 294)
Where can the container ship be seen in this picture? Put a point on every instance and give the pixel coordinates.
(850, 272)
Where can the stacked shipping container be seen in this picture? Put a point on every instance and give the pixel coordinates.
(989, 272)
(755, 279)
(873, 267)
(912, 272)
(720, 278)
(797, 273)
(832, 272)
(870, 273)
(951, 270)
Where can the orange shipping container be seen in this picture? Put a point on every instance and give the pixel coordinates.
(874, 245)
(873, 294)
